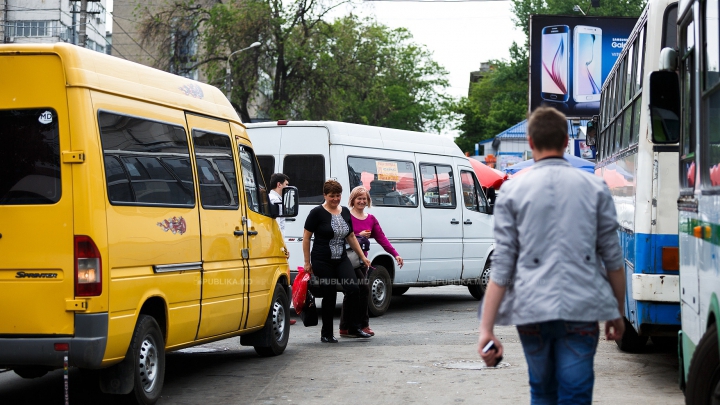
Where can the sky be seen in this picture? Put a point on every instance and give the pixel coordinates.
(460, 34)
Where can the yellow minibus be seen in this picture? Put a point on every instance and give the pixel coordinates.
(134, 220)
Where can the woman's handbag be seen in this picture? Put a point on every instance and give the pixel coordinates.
(309, 314)
(354, 259)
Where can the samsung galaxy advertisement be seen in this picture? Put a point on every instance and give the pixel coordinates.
(570, 57)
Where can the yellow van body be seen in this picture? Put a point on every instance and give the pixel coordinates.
(201, 272)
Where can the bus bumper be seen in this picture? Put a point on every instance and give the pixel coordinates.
(87, 347)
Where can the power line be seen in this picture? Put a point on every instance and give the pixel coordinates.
(133, 39)
(434, 1)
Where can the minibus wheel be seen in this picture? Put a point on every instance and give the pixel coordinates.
(704, 375)
(477, 288)
(147, 351)
(380, 291)
(277, 325)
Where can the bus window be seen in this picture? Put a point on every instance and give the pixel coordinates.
(670, 27)
(618, 133)
(637, 108)
(640, 59)
(712, 42)
(627, 127)
(629, 85)
(687, 146)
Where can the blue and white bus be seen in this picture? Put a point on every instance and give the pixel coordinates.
(685, 103)
(642, 177)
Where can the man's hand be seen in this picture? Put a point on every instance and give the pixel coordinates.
(491, 357)
(614, 329)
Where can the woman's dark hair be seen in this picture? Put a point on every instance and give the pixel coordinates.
(332, 187)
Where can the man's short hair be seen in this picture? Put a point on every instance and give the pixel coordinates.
(547, 127)
(278, 178)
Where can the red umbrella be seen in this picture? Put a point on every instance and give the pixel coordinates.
(488, 176)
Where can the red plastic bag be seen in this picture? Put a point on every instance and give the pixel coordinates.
(299, 290)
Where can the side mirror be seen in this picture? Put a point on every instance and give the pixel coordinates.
(290, 204)
(591, 131)
(665, 107)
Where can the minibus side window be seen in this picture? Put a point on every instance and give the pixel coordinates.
(389, 182)
(146, 162)
(267, 166)
(307, 173)
(29, 157)
(255, 190)
(215, 169)
(438, 186)
(473, 198)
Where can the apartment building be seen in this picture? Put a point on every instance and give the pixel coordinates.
(48, 21)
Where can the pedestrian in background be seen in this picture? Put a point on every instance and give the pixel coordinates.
(278, 181)
(332, 226)
(365, 226)
(557, 268)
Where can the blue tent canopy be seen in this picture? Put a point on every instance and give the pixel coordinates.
(574, 160)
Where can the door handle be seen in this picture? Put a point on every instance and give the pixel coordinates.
(290, 219)
(238, 233)
(454, 221)
(252, 233)
(467, 222)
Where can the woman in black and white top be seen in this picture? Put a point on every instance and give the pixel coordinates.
(332, 226)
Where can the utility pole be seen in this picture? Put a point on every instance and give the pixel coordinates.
(83, 23)
(3, 23)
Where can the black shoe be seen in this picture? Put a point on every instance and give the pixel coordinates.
(329, 339)
(359, 333)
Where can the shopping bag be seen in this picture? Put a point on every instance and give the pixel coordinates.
(309, 314)
(299, 289)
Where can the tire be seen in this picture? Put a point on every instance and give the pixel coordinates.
(477, 289)
(631, 342)
(398, 291)
(277, 325)
(147, 353)
(704, 374)
(380, 291)
(30, 372)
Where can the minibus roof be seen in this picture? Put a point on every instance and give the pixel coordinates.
(343, 133)
(98, 71)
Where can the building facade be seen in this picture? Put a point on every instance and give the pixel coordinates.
(49, 21)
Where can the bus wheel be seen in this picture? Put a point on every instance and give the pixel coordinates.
(704, 374)
(277, 325)
(380, 291)
(147, 353)
(631, 342)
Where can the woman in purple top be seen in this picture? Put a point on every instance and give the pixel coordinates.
(365, 226)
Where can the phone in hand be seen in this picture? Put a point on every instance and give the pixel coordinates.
(491, 346)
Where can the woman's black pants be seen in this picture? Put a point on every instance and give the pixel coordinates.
(330, 273)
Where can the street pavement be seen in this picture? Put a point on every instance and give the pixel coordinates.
(424, 352)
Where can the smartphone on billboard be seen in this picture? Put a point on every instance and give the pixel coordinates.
(587, 69)
(555, 60)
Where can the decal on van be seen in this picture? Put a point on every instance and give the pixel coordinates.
(46, 117)
(192, 89)
(174, 225)
(22, 274)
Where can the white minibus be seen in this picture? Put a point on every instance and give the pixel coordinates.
(424, 194)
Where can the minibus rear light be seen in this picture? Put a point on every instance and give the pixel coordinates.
(283, 122)
(88, 267)
(62, 347)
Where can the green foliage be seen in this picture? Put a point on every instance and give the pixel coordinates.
(500, 99)
(309, 68)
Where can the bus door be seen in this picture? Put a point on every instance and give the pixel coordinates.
(223, 274)
(477, 224)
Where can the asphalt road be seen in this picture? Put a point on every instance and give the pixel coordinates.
(424, 352)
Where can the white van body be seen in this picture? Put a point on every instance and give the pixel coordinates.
(440, 245)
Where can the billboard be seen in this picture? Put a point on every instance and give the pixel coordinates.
(570, 57)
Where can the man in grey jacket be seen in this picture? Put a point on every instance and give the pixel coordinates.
(557, 268)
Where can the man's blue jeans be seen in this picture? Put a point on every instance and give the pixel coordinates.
(560, 358)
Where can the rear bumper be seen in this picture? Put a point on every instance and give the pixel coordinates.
(87, 347)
